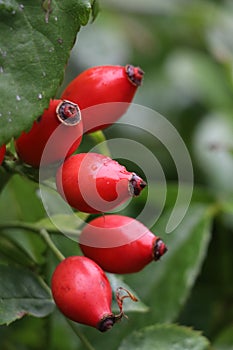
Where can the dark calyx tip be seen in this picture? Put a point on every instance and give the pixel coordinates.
(159, 249)
(106, 323)
(136, 185)
(68, 113)
(142, 184)
(135, 74)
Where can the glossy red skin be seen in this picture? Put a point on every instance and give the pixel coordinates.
(119, 244)
(82, 291)
(30, 145)
(101, 85)
(2, 153)
(93, 183)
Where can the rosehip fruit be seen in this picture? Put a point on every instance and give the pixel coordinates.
(2, 153)
(120, 244)
(94, 183)
(61, 124)
(82, 292)
(99, 86)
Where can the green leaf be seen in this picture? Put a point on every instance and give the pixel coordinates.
(167, 283)
(11, 252)
(200, 194)
(62, 336)
(165, 337)
(95, 9)
(20, 242)
(20, 195)
(22, 293)
(29, 333)
(36, 38)
(66, 224)
(5, 177)
(61, 217)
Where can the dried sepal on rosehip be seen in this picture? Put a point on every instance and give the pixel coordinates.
(53, 137)
(109, 88)
(94, 183)
(120, 244)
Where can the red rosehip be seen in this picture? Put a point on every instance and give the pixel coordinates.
(82, 292)
(94, 183)
(120, 244)
(2, 153)
(100, 86)
(61, 123)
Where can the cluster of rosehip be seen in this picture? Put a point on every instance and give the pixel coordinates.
(92, 183)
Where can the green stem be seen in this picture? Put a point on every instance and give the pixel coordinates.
(34, 228)
(19, 224)
(82, 337)
(42, 231)
(44, 234)
(14, 166)
(100, 140)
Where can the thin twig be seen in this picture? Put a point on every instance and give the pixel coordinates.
(81, 336)
(44, 234)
